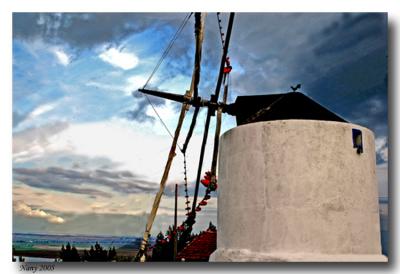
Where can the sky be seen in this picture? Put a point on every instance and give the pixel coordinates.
(88, 151)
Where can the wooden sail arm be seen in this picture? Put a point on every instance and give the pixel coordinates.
(167, 95)
(196, 102)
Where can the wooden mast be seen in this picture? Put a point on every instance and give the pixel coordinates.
(199, 31)
(212, 105)
(210, 112)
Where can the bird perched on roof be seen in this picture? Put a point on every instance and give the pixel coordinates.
(296, 87)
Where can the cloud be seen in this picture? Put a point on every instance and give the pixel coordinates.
(134, 146)
(354, 29)
(133, 83)
(117, 143)
(25, 210)
(61, 56)
(128, 203)
(138, 114)
(102, 215)
(381, 147)
(129, 87)
(42, 109)
(87, 30)
(117, 58)
(35, 116)
(34, 142)
(87, 182)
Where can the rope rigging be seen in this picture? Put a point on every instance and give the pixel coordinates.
(163, 56)
(187, 202)
(220, 29)
(165, 53)
(168, 48)
(161, 120)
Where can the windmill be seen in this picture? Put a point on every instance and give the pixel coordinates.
(282, 116)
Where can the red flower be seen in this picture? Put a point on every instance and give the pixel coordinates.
(203, 203)
(227, 69)
(205, 182)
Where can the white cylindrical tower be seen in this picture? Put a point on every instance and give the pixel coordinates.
(298, 190)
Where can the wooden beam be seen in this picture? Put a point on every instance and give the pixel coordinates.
(141, 256)
(210, 112)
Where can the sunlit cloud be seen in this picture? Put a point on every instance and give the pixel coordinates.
(25, 210)
(42, 109)
(62, 57)
(135, 82)
(117, 58)
(134, 204)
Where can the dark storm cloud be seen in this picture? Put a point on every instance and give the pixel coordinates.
(354, 48)
(138, 115)
(85, 30)
(353, 30)
(276, 50)
(340, 59)
(67, 180)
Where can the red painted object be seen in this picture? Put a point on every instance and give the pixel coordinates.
(203, 203)
(205, 182)
(227, 69)
(200, 248)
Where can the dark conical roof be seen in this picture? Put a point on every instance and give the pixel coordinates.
(292, 105)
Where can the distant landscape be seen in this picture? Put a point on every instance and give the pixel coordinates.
(48, 246)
